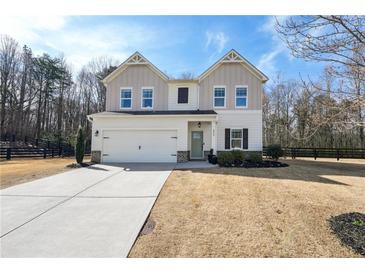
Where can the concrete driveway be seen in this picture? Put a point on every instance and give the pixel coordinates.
(88, 212)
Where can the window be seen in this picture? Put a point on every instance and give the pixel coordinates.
(182, 95)
(219, 97)
(147, 98)
(236, 138)
(241, 97)
(126, 98)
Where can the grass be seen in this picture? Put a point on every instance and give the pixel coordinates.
(277, 212)
(18, 171)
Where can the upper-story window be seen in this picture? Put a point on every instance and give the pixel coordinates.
(219, 97)
(241, 96)
(147, 98)
(182, 95)
(126, 98)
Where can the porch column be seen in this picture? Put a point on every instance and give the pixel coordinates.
(214, 136)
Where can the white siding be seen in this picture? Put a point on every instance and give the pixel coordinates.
(251, 119)
(192, 99)
(178, 123)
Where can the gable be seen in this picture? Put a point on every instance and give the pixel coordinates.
(135, 59)
(233, 57)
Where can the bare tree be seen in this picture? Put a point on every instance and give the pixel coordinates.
(339, 41)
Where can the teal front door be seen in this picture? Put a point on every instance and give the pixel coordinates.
(196, 144)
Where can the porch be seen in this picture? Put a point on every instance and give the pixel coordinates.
(201, 139)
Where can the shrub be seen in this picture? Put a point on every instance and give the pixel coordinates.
(80, 146)
(225, 159)
(238, 157)
(254, 157)
(274, 151)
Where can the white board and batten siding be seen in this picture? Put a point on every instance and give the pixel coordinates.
(193, 100)
(250, 119)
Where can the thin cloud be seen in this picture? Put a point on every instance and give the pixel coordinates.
(79, 43)
(217, 40)
(268, 61)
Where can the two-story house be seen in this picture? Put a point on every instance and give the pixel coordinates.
(151, 118)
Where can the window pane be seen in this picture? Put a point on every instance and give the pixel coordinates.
(126, 93)
(241, 102)
(126, 103)
(236, 143)
(147, 93)
(241, 92)
(219, 92)
(236, 133)
(219, 102)
(183, 95)
(147, 103)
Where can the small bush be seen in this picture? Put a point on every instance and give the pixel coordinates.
(238, 157)
(225, 159)
(80, 146)
(274, 152)
(254, 157)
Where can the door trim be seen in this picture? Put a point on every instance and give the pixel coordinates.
(191, 145)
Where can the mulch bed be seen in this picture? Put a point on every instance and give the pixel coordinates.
(263, 164)
(350, 229)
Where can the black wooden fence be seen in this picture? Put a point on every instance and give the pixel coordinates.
(12, 147)
(25, 152)
(338, 153)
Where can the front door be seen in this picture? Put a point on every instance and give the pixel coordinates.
(196, 144)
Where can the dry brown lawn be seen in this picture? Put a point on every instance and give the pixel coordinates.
(277, 212)
(14, 172)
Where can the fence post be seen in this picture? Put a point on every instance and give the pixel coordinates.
(26, 140)
(8, 153)
(44, 153)
(315, 154)
(52, 153)
(36, 142)
(13, 138)
(60, 151)
(48, 144)
(338, 154)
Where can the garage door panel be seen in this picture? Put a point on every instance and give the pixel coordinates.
(139, 146)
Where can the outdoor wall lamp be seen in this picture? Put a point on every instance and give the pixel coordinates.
(199, 124)
(96, 133)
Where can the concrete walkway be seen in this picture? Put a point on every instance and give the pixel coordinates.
(88, 212)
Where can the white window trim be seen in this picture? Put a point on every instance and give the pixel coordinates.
(225, 96)
(120, 98)
(230, 137)
(177, 97)
(235, 96)
(153, 97)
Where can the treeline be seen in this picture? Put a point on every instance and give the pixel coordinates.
(41, 98)
(304, 114)
(327, 112)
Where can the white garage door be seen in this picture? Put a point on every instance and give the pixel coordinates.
(139, 146)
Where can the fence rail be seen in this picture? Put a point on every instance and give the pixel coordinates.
(337, 153)
(13, 147)
(25, 152)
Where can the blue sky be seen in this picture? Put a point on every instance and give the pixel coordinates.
(175, 44)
